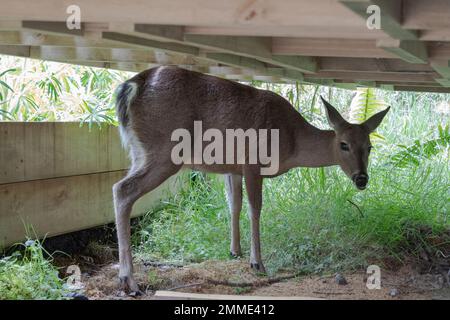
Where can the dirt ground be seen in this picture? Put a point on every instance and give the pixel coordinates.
(234, 277)
(423, 276)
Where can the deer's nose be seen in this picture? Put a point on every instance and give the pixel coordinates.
(360, 180)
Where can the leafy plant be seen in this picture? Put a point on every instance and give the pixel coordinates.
(419, 150)
(364, 105)
(29, 275)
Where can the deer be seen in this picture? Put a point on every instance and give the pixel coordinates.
(157, 101)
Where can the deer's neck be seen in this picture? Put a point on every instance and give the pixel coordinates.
(314, 148)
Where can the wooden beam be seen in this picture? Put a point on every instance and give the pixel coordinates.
(245, 62)
(318, 30)
(409, 51)
(147, 43)
(374, 76)
(173, 295)
(252, 47)
(444, 82)
(19, 51)
(391, 16)
(107, 55)
(328, 48)
(52, 27)
(31, 38)
(422, 89)
(442, 67)
(370, 65)
(292, 13)
(435, 35)
(426, 14)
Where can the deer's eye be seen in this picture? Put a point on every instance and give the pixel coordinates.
(344, 146)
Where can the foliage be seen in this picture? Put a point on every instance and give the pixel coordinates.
(30, 275)
(412, 155)
(33, 90)
(364, 105)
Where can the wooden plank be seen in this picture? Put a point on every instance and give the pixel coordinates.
(435, 35)
(442, 67)
(328, 48)
(117, 55)
(391, 16)
(292, 13)
(60, 205)
(319, 30)
(244, 62)
(409, 51)
(252, 47)
(374, 76)
(52, 27)
(147, 43)
(443, 82)
(30, 38)
(426, 14)
(370, 65)
(42, 150)
(422, 89)
(18, 51)
(174, 295)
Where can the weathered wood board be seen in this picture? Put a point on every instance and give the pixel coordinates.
(58, 177)
(42, 150)
(173, 295)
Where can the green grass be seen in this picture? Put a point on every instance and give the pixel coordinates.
(28, 275)
(306, 222)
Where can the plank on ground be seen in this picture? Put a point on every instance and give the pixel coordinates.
(173, 295)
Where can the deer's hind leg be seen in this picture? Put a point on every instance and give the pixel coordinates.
(139, 181)
(233, 185)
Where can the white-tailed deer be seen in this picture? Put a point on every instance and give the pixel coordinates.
(154, 103)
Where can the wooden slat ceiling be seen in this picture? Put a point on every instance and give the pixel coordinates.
(320, 41)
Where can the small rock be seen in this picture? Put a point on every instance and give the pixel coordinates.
(76, 296)
(393, 292)
(339, 278)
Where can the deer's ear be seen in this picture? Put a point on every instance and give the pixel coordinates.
(333, 116)
(374, 121)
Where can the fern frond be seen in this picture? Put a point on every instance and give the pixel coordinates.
(412, 155)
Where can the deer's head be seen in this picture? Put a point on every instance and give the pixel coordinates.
(352, 144)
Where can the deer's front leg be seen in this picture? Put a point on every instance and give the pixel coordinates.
(233, 184)
(253, 183)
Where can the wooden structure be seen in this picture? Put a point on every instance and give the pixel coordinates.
(58, 177)
(322, 41)
(173, 295)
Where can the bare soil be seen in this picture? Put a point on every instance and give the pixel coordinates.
(424, 275)
(234, 277)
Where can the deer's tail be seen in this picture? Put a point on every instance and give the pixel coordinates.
(126, 94)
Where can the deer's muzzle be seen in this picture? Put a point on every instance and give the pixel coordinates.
(360, 180)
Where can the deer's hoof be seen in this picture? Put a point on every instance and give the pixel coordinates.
(129, 286)
(235, 255)
(258, 267)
